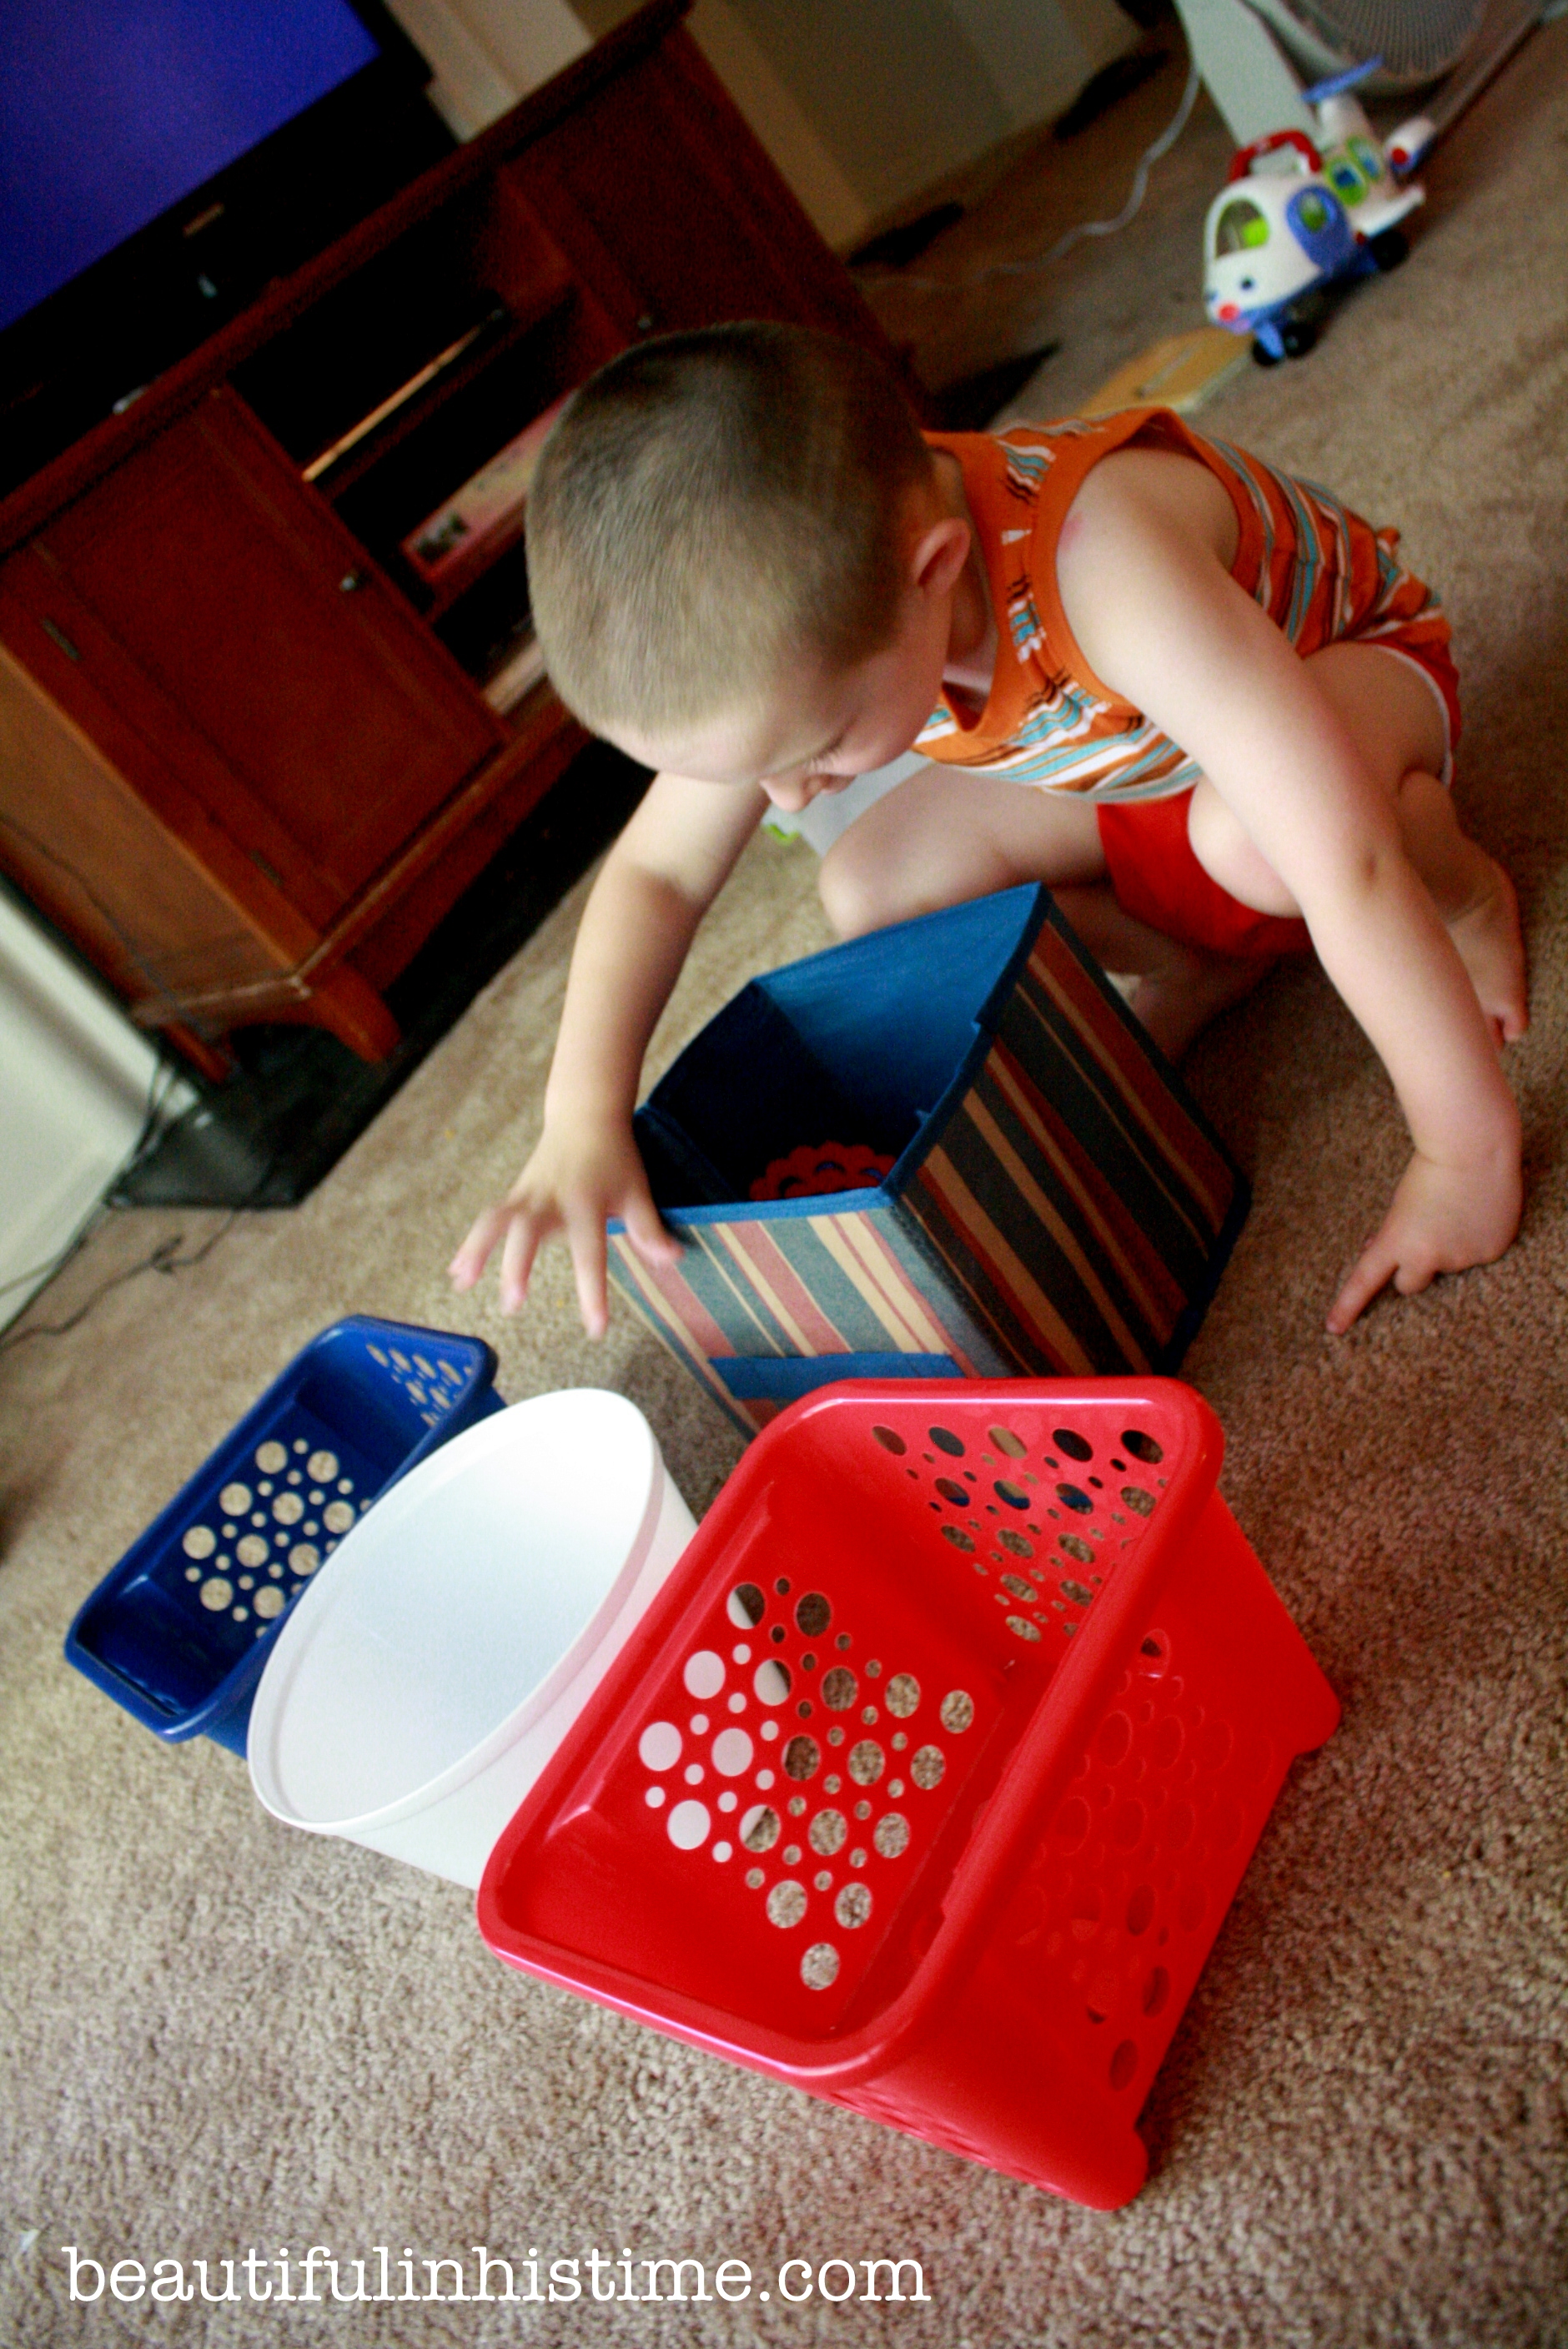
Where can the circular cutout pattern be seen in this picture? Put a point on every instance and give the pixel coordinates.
(1123, 2064)
(305, 1557)
(830, 1833)
(1022, 1630)
(840, 1688)
(927, 1767)
(1006, 1441)
(235, 1500)
(1069, 1440)
(903, 1694)
(819, 1966)
(323, 1466)
(1076, 1547)
(732, 1752)
(216, 1592)
(1016, 1543)
(1014, 1495)
(251, 1550)
(704, 1674)
(1071, 1825)
(957, 1495)
(802, 1758)
(1156, 1991)
(1020, 1588)
(689, 1826)
(200, 1541)
(957, 1537)
(946, 1441)
(1143, 1447)
(269, 1601)
(891, 1835)
(866, 1762)
(1113, 1738)
(288, 1508)
(957, 1710)
(1127, 1826)
(1072, 1497)
(271, 1458)
(812, 1615)
(890, 1441)
(1140, 1503)
(337, 1516)
(659, 1746)
(747, 1606)
(787, 1903)
(854, 1906)
(761, 1828)
(771, 1681)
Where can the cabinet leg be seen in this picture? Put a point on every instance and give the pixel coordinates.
(348, 1007)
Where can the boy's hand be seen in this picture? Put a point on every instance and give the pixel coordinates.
(1442, 1219)
(575, 1181)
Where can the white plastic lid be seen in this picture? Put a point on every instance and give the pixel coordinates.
(453, 1613)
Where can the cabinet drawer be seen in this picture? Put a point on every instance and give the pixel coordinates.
(238, 595)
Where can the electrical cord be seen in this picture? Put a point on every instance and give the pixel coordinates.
(1063, 244)
(164, 1258)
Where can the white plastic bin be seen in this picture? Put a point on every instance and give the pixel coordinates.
(427, 1676)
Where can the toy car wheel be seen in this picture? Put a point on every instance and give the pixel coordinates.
(1298, 338)
(1263, 356)
(1389, 247)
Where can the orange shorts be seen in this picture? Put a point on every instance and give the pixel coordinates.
(1157, 877)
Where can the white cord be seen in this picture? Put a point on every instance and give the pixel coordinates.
(1136, 193)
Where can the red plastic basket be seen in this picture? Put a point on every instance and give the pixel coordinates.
(926, 1784)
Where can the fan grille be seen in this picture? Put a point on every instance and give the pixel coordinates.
(1417, 43)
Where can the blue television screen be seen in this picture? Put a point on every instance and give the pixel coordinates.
(113, 110)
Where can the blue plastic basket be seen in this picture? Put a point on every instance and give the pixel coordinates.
(179, 1631)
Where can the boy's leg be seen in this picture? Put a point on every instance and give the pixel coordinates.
(947, 835)
(1394, 714)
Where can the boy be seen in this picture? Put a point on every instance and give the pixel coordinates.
(753, 574)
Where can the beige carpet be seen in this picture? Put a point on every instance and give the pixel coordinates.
(220, 2035)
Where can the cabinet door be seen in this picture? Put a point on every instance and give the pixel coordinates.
(340, 724)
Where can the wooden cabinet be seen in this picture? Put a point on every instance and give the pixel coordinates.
(249, 753)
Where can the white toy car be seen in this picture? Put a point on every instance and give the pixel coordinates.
(1292, 218)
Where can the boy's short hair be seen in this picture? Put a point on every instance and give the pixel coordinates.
(712, 506)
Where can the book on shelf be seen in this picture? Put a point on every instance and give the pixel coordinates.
(487, 505)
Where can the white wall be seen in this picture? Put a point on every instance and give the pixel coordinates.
(861, 104)
(486, 53)
(74, 1080)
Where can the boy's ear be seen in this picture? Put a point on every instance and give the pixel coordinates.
(939, 556)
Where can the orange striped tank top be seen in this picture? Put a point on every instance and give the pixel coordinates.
(1318, 569)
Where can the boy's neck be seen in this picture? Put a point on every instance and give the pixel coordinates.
(972, 641)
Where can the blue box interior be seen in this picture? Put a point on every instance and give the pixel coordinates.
(860, 1044)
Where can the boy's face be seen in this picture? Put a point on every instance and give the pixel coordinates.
(823, 730)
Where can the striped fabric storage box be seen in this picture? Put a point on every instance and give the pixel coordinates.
(1057, 1205)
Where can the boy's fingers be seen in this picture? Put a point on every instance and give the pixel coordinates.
(522, 1238)
(585, 1236)
(646, 1231)
(1371, 1274)
(472, 1256)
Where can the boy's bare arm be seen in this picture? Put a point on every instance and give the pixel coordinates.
(657, 882)
(1160, 620)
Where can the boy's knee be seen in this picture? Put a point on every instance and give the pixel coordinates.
(851, 896)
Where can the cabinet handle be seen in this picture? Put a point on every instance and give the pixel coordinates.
(350, 581)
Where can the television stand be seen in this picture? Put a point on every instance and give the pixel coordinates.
(252, 748)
